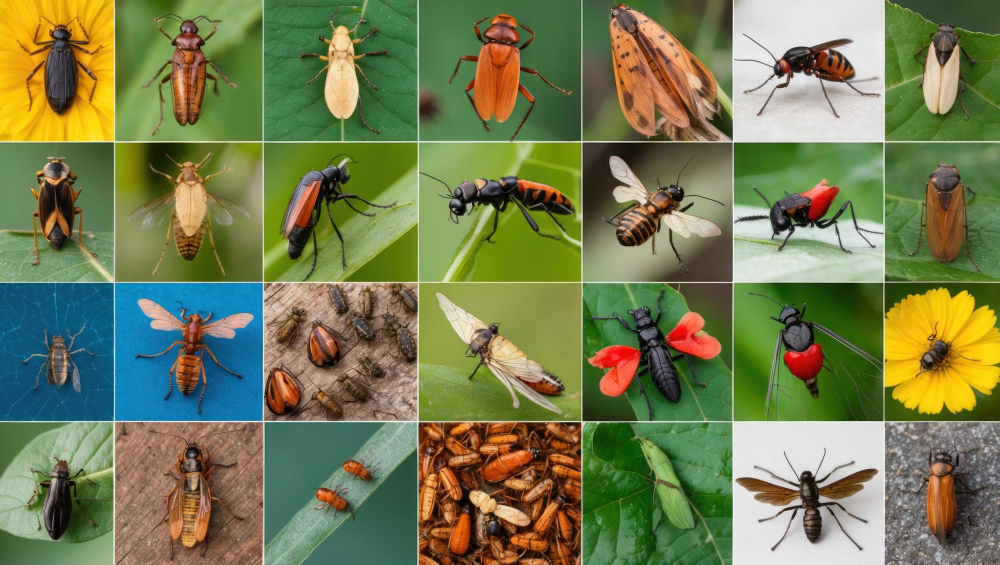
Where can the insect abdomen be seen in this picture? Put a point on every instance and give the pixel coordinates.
(813, 524)
(406, 344)
(536, 195)
(636, 227)
(188, 80)
(188, 246)
(59, 366)
(664, 375)
(188, 371)
(190, 504)
(834, 62)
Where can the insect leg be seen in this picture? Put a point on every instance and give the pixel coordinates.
(204, 380)
(958, 479)
(784, 85)
(363, 75)
(841, 525)
(471, 58)
(642, 390)
(834, 470)
(920, 233)
(215, 27)
(791, 230)
(531, 221)
(537, 74)
(27, 81)
(349, 195)
(343, 252)
(211, 240)
(758, 467)
(926, 480)
(160, 88)
(615, 316)
(821, 85)
(475, 27)
(759, 87)
(80, 504)
(795, 510)
(469, 87)
(834, 78)
(922, 49)
(223, 505)
(45, 44)
(959, 94)
(361, 108)
(213, 175)
(36, 355)
(481, 363)
(76, 45)
(79, 237)
(968, 246)
(496, 220)
(527, 95)
(782, 511)
(679, 260)
(547, 211)
(372, 54)
(212, 355)
(690, 368)
(315, 255)
(170, 382)
(320, 71)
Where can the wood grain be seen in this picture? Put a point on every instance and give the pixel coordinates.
(142, 458)
(396, 393)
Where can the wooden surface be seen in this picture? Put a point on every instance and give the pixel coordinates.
(395, 393)
(141, 459)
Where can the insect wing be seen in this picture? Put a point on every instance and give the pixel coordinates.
(204, 509)
(175, 508)
(154, 212)
(847, 486)
(496, 84)
(512, 515)
(634, 189)
(223, 209)
(772, 381)
(64, 204)
(945, 225)
(685, 224)
(162, 320)
(694, 84)
(465, 324)
(76, 375)
(673, 501)
(843, 341)
(767, 492)
(302, 202)
(225, 328)
(514, 369)
(341, 87)
(830, 45)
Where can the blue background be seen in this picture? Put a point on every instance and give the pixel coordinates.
(26, 310)
(142, 383)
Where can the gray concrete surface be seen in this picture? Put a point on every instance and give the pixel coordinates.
(908, 539)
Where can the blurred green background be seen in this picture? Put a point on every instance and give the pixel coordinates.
(967, 15)
(15, 436)
(446, 34)
(704, 27)
(709, 174)
(235, 48)
(386, 529)
(378, 167)
(907, 169)
(238, 245)
(987, 407)
(712, 301)
(518, 254)
(851, 310)
(543, 320)
(93, 165)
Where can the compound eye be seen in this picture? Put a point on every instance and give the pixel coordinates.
(457, 207)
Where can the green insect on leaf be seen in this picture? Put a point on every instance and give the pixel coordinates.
(673, 502)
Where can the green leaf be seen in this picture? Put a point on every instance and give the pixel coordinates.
(713, 402)
(70, 264)
(906, 115)
(902, 216)
(297, 111)
(811, 254)
(617, 514)
(82, 445)
(445, 394)
(390, 446)
(235, 48)
(365, 237)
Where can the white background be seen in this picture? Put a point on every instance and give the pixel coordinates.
(761, 443)
(801, 112)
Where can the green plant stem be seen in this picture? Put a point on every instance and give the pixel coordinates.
(727, 104)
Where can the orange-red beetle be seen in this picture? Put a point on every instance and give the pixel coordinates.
(462, 531)
(941, 507)
(359, 469)
(282, 392)
(324, 347)
(332, 499)
(498, 72)
(508, 464)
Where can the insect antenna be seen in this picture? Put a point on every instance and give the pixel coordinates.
(678, 183)
(48, 20)
(207, 19)
(334, 158)
(173, 435)
(762, 47)
(706, 198)
(175, 17)
(172, 160)
(217, 433)
(790, 464)
(755, 61)
(442, 182)
(821, 462)
(767, 297)
(797, 295)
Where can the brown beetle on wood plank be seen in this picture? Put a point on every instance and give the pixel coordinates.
(324, 346)
(283, 392)
(188, 71)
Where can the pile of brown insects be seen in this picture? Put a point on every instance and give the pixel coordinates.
(325, 347)
(499, 493)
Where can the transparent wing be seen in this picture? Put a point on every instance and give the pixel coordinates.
(634, 189)
(204, 509)
(76, 376)
(154, 212)
(843, 341)
(685, 224)
(223, 210)
(514, 369)
(465, 324)
(162, 320)
(175, 509)
(225, 327)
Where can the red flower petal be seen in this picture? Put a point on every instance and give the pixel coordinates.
(623, 361)
(688, 338)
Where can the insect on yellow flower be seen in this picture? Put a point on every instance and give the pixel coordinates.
(939, 348)
(28, 26)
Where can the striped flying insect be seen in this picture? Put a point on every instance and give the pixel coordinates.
(188, 206)
(503, 358)
(641, 220)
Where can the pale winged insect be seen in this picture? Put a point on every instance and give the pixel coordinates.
(508, 363)
(942, 71)
(188, 206)
(674, 503)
